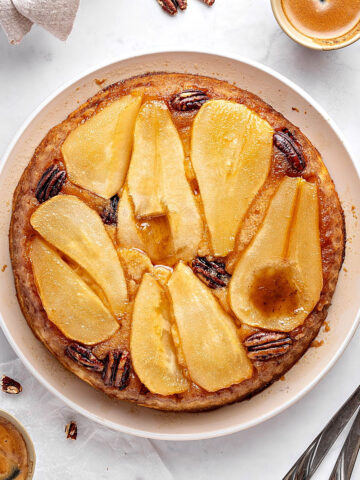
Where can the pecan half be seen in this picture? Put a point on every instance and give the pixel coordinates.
(50, 183)
(110, 368)
(117, 369)
(11, 386)
(267, 345)
(209, 2)
(286, 143)
(171, 6)
(71, 430)
(211, 272)
(189, 100)
(84, 357)
(109, 214)
(123, 372)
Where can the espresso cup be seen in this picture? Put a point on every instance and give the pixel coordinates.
(311, 42)
(28, 442)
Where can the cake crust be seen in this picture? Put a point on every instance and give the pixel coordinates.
(163, 86)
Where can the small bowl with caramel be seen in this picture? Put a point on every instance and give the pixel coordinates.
(17, 453)
(319, 24)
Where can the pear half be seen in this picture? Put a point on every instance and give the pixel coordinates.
(278, 279)
(75, 229)
(97, 152)
(152, 347)
(213, 352)
(156, 179)
(231, 150)
(68, 301)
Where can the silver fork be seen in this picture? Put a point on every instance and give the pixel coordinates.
(346, 460)
(309, 461)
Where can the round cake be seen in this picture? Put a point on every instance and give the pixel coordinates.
(176, 242)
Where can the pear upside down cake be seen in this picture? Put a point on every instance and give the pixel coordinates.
(176, 242)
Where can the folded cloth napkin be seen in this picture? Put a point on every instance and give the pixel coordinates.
(97, 453)
(56, 16)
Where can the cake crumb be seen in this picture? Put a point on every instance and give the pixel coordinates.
(345, 269)
(282, 378)
(4, 267)
(317, 343)
(295, 109)
(100, 82)
(326, 326)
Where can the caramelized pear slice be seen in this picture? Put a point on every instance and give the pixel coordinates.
(157, 182)
(213, 352)
(231, 151)
(97, 152)
(304, 248)
(75, 229)
(162, 274)
(152, 348)
(135, 263)
(68, 301)
(144, 172)
(128, 233)
(278, 279)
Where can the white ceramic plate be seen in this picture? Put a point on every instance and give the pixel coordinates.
(343, 317)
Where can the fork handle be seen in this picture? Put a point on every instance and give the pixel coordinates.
(309, 461)
(346, 460)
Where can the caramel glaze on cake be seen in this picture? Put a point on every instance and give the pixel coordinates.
(161, 86)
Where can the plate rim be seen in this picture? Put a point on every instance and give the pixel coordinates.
(220, 431)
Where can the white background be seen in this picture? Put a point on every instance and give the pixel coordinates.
(103, 30)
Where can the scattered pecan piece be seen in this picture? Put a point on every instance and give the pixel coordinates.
(8, 385)
(84, 357)
(109, 214)
(50, 183)
(267, 345)
(117, 369)
(171, 6)
(286, 143)
(211, 272)
(189, 100)
(71, 430)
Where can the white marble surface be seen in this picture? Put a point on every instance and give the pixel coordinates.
(109, 28)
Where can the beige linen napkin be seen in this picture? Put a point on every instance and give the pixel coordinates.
(18, 16)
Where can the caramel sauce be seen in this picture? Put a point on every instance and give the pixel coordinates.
(353, 211)
(13, 452)
(100, 81)
(327, 327)
(273, 293)
(323, 19)
(156, 234)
